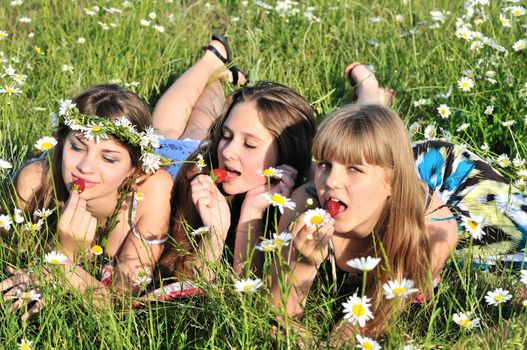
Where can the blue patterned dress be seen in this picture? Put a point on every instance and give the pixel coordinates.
(178, 151)
(468, 185)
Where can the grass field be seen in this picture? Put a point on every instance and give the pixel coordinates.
(425, 50)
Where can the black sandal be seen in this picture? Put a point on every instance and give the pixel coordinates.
(235, 71)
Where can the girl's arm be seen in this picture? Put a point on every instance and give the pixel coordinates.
(298, 265)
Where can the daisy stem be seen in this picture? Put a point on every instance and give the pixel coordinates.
(364, 274)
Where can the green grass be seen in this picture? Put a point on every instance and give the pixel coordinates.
(412, 58)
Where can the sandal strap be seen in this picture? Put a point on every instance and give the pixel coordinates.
(215, 52)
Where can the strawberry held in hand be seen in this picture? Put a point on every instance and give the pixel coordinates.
(333, 208)
(79, 185)
(220, 175)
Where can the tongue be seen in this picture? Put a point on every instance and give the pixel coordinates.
(332, 208)
(79, 185)
(220, 175)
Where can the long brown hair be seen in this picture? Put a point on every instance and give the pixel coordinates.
(105, 101)
(282, 111)
(377, 135)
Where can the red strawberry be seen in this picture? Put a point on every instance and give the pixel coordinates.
(332, 208)
(220, 175)
(79, 185)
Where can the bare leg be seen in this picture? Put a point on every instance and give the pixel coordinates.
(175, 106)
(206, 109)
(368, 89)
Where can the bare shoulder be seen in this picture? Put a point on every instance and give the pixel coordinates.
(29, 179)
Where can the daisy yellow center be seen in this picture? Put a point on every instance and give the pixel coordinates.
(96, 249)
(358, 310)
(25, 296)
(2, 223)
(366, 345)
(498, 298)
(521, 46)
(201, 162)
(268, 248)
(54, 261)
(465, 84)
(399, 291)
(248, 288)
(432, 133)
(517, 12)
(472, 224)
(268, 172)
(9, 90)
(46, 145)
(139, 195)
(278, 241)
(504, 161)
(96, 128)
(25, 346)
(464, 35)
(37, 49)
(34, 226)
(278, 199)
(317, 220)
(465, 323)
(443, 111)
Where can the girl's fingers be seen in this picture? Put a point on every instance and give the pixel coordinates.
(16, 305)
(92, 228)
(13, 292)
(35, 309)
(71, 205)
(14, 280)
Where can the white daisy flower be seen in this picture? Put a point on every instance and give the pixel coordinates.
(517, 11)
(497, 296)
(158, 28)
(66, 106)
(522, 173)
(430, 132)
(505, 21)
(414, 128)
(16, 3)
(484, 147)
(367, 343)
(25, 344)
(144, 23)
(24, 19)
(271, 173)
(463, 127)
(201, 162)
(503, 160)
(20, 79)
(523, 278)
(96, 249)
(518, 161)
(68, 68)
(18, 216)
(10, 90)
(248, 285)
(520, 185)
(3, 34)
(139, 196)
(200, 231)
(37, 226)
(489, 110)
(421, 102)
(464, 320)
(46, 143)
(266, 246)
(282, 239)
(277, 200)
(95, 132)
(508, 123)
(357, 310)
(43, 213)
(317, 217)
(465, 84)
(144, 277)
(444, 111)
(519, 45)
(4, 164)
(55, 258)
(29, 296)
(5, 222)
(474, 225)
(151, 162)
(150, 138)
(399, 288)
(363, 264)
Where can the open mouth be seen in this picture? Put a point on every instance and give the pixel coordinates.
(334, 207)
(231, 173)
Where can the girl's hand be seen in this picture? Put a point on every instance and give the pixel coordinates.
(312, 242)
(23, 287)
(283, 185)
(76, 227)
(210, 204)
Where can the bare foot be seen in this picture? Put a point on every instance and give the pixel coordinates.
(367, 87)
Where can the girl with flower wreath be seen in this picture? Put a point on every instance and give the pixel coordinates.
(376, 204)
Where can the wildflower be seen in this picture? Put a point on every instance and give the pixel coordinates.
(144, 23)
(357, 310)
(444, 111)
(200, 164)
(4, 164)
(24, 20)
(399, 288)
(316, 217)
(484, 147)
(414, 128)
(520, 184)
(464, 33)
(37, 226)
(25, 344)
(150, 138)
(523, 173)
(497, 296)
(489, 110)
(476, 45)
(96, 249)
(66, 106)
(505, 22)
(518, 162)
(463, 320)
(519, 45)
(465, 84)
(474, 225)
(367, 343)
(446, 94)
(16, 3)
(43, 213)
(438, 16)
(363, 264)
(5, 222)
(517, 11)
(151, 162)
(503, 160)
(421, 102)
(81, 40)
(282, 239)
(68, 68)
(19, 218)
(3, 34)
(20, 79)
(271, 173)
(139, 196)
(144, 277)
(158, 28)
(430, 132)
(277, 200)
(10, 90)
(248, 285)
(152, 15)
(463, 127)
(399, 18)
(523, 278)
(55, 258)
(508, 123)
(266, 246)
(200, 231)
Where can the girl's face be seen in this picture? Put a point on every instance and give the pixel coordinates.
(361, 190)
(103, 165)
(246, 146)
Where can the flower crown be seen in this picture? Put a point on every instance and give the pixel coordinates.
(96, 128)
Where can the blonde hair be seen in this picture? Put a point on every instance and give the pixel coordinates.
(375, 134)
